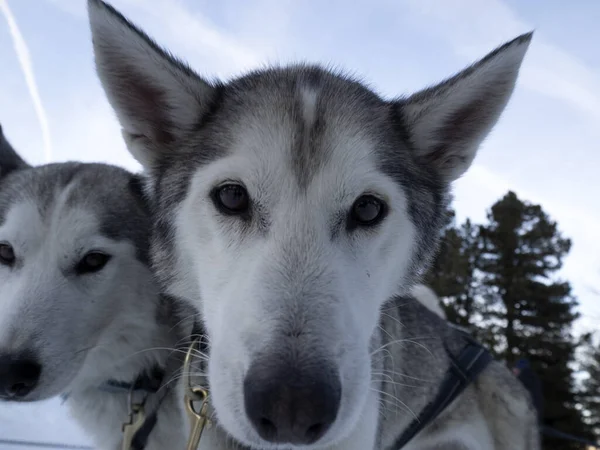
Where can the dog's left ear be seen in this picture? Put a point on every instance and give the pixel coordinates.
(446, 123)
(9, 158)
(157, 98)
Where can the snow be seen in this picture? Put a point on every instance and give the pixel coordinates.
(47, 421)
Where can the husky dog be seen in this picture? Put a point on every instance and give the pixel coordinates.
(296, 208)
(80, 312)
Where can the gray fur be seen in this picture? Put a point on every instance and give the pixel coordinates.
(291, 280)
(120, 210)
(85, 330)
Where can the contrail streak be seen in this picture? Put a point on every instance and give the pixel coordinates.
(25, 62)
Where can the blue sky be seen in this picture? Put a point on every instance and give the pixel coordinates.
(546, 146)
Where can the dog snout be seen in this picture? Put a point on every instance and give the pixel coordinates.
(19, 375)
(288, 405)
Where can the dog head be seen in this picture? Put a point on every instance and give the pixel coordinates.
(291, 203)
(73, 271)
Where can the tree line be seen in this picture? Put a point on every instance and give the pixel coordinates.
(499, 279)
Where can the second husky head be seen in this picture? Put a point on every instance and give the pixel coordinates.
(74, 274)
(290, 204)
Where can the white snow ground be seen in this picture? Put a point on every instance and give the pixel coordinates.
(47, 421)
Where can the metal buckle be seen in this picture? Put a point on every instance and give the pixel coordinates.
(193, 394)
(136, 418)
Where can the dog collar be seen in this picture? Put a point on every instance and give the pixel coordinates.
(146, 382)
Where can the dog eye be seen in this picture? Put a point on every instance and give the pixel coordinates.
(367, 211)
(7, 254)
(92, 262)
(232, 199)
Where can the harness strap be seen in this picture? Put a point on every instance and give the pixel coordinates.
(140, 439)
(148, 383)
(473, 359)
(144, 383)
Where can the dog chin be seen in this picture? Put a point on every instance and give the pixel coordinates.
(37, 395)
(254, 442)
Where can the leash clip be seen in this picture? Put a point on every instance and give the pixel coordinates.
(136, 418)
(193, 394)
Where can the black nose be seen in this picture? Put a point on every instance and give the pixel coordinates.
(290, 405)
(18, 376)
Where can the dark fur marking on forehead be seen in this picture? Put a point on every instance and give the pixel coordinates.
(108, 192)
(280, 90)
(115, 197)
(38, 184)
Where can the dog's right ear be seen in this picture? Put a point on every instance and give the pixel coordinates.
(157, 98)
(446, 123)
(9, 158)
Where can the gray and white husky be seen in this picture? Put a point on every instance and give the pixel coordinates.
(80, 313)
(296, 209)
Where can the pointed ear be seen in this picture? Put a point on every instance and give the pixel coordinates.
(446, 123)
(9, 158)
(157, 98)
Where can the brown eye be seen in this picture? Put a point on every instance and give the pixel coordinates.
(7, 254)
(367, 210)
(92, 262)
(231, 199)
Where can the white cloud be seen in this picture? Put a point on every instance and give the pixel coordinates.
(22, 51)
(196, 36)
(174, 26)
(474, 27)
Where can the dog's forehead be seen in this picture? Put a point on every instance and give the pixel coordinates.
(95, 197)
(304, 119)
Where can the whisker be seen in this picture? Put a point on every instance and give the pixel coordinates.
(397, 400)
(401, 341)
(399, 374)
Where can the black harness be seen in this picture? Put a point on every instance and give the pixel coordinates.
(463, 370)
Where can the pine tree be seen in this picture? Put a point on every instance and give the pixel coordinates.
(528, 308)
(590, 395)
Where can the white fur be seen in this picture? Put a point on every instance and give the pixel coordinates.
(83, 330)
